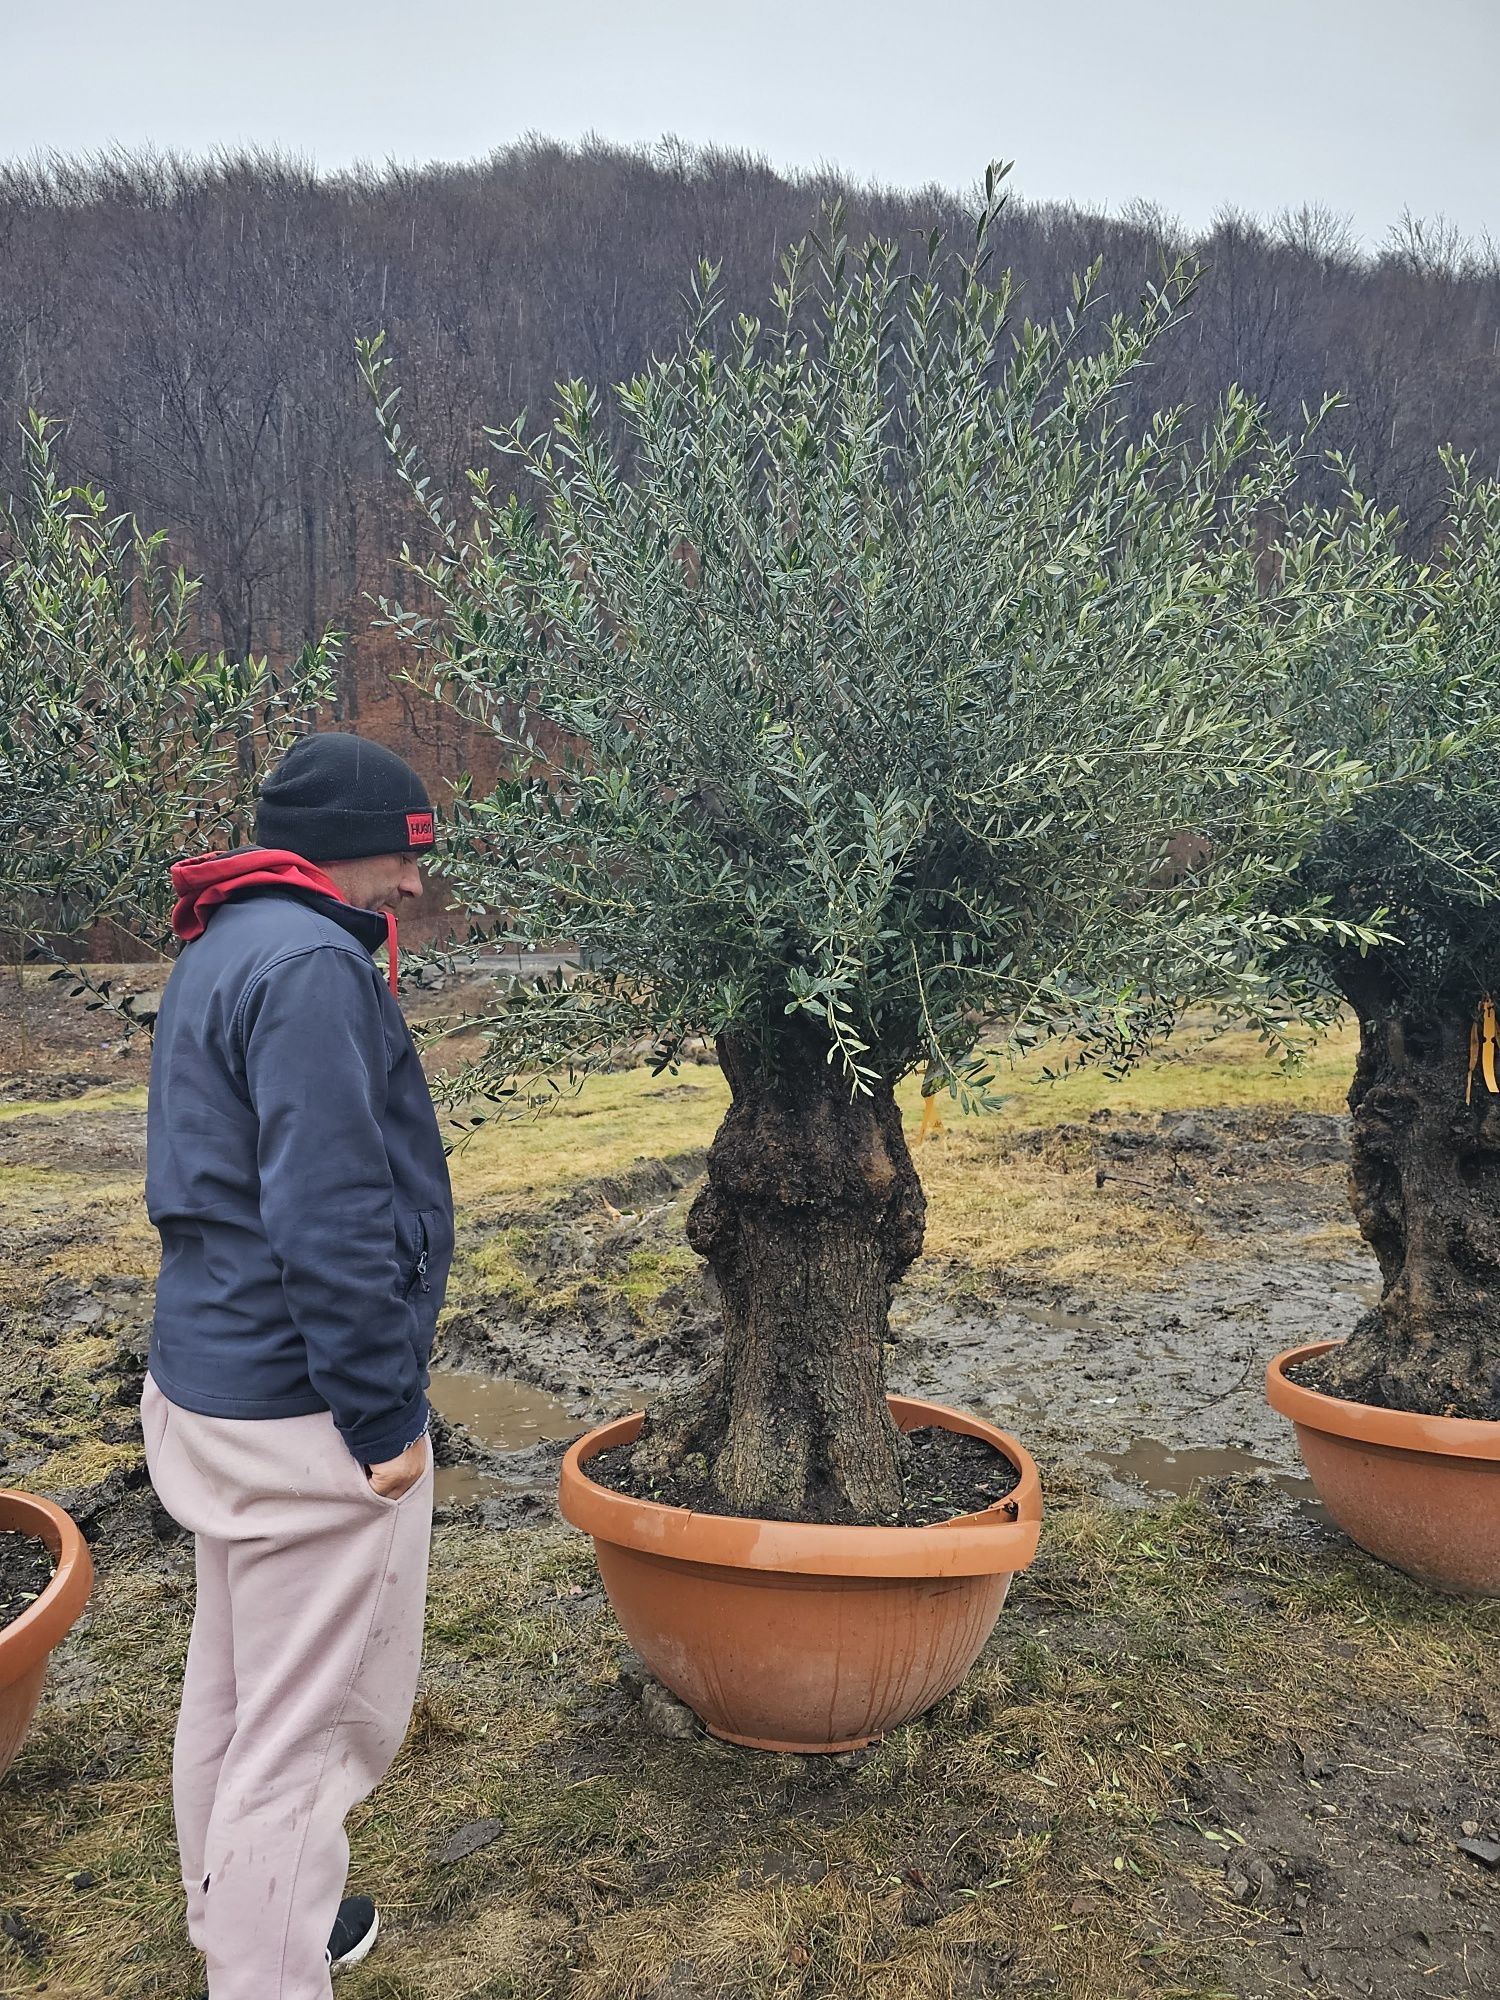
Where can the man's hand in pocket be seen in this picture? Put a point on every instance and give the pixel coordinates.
(395, 1476)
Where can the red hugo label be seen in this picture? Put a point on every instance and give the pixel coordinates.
(419, 829)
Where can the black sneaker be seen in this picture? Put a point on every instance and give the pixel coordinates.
(353, 1935)
(354, 1932)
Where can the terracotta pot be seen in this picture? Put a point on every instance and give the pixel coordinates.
(1422, 1493)
(789, 1636)
(26, 1643)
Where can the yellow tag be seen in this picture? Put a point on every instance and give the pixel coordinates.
(1482, 1040)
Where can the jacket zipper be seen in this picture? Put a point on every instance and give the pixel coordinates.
(419, 1276)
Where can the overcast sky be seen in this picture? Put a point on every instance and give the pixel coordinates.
(1367, 106)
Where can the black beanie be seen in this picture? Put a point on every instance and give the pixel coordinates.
(338, 798)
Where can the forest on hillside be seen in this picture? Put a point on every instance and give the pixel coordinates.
(193, 326)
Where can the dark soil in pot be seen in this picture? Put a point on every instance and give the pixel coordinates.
(26, 1568)
(1328, 1375)
(947, 1474)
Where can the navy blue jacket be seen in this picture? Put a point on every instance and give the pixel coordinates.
(296, 1174)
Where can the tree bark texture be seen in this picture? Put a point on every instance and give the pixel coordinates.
(812, 1211)
(1425, 1186)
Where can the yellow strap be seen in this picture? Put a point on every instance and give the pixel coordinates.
(932, 1119)
(1483, 1035)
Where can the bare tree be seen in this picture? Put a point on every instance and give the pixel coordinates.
(194, 322)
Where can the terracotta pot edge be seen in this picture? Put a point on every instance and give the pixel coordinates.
(37, 1631)
(1367, 1423)
(985, 1544)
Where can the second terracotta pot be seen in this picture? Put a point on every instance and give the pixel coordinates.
(26, 1643)
(785, 1635)
(1422, 1493)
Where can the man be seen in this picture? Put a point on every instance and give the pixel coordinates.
(296, 1175)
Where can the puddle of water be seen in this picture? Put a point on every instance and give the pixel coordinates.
(1171, 1469)
(456, 1485)
(1057, 1318)
(507, 1415)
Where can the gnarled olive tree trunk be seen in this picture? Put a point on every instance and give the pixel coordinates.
(1425, 1186)
(812, 1211)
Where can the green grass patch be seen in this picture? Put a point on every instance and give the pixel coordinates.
(499, 1261)
(64, 1107)
(612, 1124)
(1200, 1068)
(85, 1462)
(991, 1207)
(616, 1121)
(650, 1273)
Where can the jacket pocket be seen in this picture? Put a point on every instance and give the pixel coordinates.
(427, 1261)
(417, 1279)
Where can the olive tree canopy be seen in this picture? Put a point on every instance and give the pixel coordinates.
(119, 746)
(871, 701)
(1398, 660)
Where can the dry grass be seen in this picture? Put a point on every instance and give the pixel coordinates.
(616, 1121)
(1199, 1068)
(126, 1245)
(995, 1203)
(995, 1209)
(1030, 1835)
(84, 1101)
(596, 1137)
(1335, 1239)
(992, 1207)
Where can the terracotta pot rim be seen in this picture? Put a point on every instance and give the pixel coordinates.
(983, 1544)
(1367, 1423)
(31, 1637)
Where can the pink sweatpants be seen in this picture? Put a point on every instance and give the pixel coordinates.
(301, 1673)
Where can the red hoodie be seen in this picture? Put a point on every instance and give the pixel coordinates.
(211, 879)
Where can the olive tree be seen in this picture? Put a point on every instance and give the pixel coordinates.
(852, 673)
(1398, 660)
(120, 746)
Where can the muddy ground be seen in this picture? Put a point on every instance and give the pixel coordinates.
(1142, 1391)
(1331, 1838)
